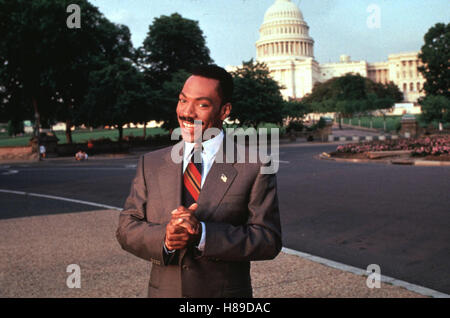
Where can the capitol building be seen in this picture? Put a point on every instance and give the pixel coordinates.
(287, 49)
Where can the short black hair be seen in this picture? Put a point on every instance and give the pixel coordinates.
(225, 79)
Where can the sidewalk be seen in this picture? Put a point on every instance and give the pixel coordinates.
(37, 250)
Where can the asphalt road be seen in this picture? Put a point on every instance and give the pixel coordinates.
(356, 214)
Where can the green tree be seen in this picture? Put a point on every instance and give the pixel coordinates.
(435, 56)
(343, 95)
(15, 127)
(13, 107)
(86, 50)
(29, 38)
(350, 87)
(381, 98)
(117, 95)
(435, 108)
(257, 98)
(168, 99)
(172, 43)
(320, 92)
(295, 110)
(48, 64)
(352, 94)
(173, 46)
(389, 90)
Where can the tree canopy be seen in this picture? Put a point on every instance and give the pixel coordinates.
(435, 56)
(295, 109)
(257, 98)
(116, 96)
(173, 46)
(168, 98)
(172, 43)
(435, 107)
(350, 94)
(45, 65)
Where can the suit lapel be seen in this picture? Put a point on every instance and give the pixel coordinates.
(218, 181)
(169, 180)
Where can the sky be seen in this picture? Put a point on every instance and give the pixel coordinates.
(231, 27)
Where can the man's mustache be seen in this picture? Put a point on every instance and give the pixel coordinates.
(189, 119)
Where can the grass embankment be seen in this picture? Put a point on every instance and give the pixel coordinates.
(392, 122)
(82, 135)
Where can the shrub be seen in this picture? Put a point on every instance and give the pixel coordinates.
(319, 125)
(434, 145)
(294, 125)
(15, 127)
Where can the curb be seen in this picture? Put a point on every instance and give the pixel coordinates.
(430, 163)
(327, 157)
(315, 259)
(332, 138)
(419, 163)
(361, 272)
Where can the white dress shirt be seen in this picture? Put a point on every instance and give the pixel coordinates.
(210, 149)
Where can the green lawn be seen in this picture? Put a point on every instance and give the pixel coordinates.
(83, 135)
(80, 136)
(391, 122)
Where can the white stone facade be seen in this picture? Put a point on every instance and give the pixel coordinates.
(287, 49)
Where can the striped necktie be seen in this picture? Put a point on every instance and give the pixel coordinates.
(192, 178)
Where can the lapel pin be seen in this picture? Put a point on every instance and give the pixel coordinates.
(224, 178)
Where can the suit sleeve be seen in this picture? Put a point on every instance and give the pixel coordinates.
(135, 233)
(259, 238)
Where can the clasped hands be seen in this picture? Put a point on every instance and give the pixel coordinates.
(183, 229)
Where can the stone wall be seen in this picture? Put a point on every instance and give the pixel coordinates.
(410, 127)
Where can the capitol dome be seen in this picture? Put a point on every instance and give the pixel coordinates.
(284, 34)
(282, 9)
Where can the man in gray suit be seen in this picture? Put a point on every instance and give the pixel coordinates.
(202, 219)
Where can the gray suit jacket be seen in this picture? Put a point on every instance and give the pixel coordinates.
(239, 206)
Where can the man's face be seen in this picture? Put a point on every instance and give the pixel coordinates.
(200, 100)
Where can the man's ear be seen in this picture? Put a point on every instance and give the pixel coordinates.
(225, 111)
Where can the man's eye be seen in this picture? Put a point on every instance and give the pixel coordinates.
(203, 105)
(181, 100)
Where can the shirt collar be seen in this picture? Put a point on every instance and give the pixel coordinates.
(210, 146)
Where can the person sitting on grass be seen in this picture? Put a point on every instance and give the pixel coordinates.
(81, 155)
